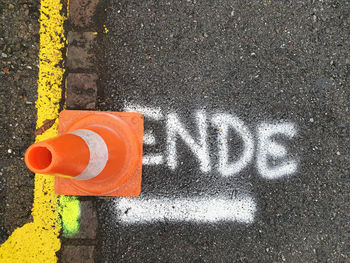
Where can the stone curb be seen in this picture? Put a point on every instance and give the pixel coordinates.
(78, 254)
(81, 91)
(81, 47)
(81, 80)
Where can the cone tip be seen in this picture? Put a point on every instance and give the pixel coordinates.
(38, 158)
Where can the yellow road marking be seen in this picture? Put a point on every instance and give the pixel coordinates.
(38, 241)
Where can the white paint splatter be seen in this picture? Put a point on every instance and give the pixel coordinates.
(148, 138)
(202, 210)
(149, 112)
(175, 129)
(224, 122)
(268, 148)
(152, 159)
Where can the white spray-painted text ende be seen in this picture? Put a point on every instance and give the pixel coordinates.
(267, 148)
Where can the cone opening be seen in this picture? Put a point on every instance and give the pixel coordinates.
(39, 158)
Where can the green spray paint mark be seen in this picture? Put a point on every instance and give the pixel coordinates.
(69, 209)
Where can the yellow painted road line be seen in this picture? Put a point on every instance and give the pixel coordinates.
(38, 241)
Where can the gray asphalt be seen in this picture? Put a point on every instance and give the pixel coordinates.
(19, 46)
(264, 61)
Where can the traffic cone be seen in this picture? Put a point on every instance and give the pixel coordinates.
(95, 154)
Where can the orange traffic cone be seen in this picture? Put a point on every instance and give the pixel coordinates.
(96, 153)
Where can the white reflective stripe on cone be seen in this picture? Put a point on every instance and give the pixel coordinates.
(98, 154)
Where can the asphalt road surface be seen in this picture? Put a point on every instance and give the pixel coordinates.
(246, 153)
(19, 45)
